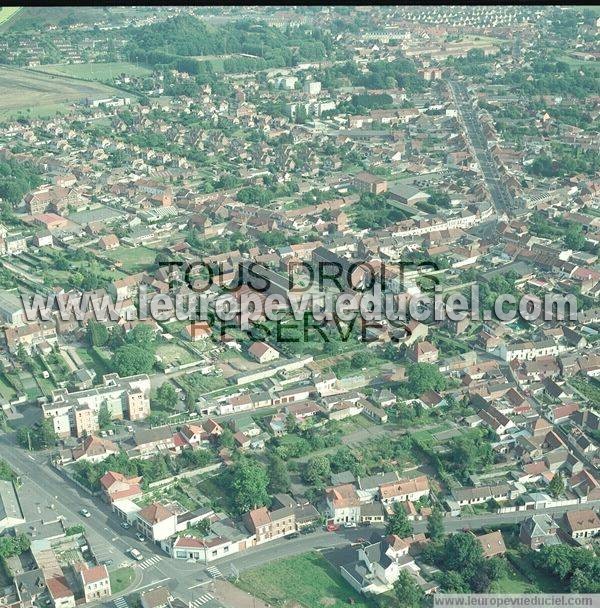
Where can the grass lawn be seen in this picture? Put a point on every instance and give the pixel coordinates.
(121, 579)
(132, 259)
(513, 582)
(96, 71)
(307, 579)
(8, 12)
(7, 391)
(173, 354)
(541, 581)
(93, 360)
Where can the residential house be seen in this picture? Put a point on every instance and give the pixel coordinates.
(423, 352)
(403, 490)
(116, 486)
(266, 525)
(582, 525)
(94, 449)
(343, 504)
(492, 544)
(95, 581)
(61, 594)
(538, 530)
(263, 352)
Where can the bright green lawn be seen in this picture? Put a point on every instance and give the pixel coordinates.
(121, 579)
(308, 579)
(96, 71)
(133, 259)
(8, 12)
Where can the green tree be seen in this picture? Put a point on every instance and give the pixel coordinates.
(130, 360)
(556, 487)
(249, 484)
(407, 592)
(463, 553)
(40, 436)
(398, 522)
(424, 377)
(6, 473)
(97, 333)
(166, 396)
(141, 335)
(317, 470)
(226, 439)
(104, 417)
(279, 478)
(435, 524)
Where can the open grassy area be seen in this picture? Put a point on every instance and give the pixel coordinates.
(121, 579)
(132, 259)
(7, 392)
(173, 354)
(8, 12)
(306, 579)
(541, 582)
(513, 582)
(29, 93)
(96, 71)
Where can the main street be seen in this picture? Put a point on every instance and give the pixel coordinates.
(499, 193)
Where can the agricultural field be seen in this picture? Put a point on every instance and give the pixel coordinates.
(306, 579)
(101, 72)
(32, 94)
(8, 12)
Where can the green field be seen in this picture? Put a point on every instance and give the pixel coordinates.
(307, 579)
(95, 71)
(133, 259)
(8, 12)
(24, 92)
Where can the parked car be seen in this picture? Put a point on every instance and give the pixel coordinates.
(125, 525)
(135, 554)
(140, 537)
(108, 562)
(350, 524)
(332, 528)
(292, 535)
(85, 513)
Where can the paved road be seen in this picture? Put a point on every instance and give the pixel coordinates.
(501, 197)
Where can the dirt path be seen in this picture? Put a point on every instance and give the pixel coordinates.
(232, 597)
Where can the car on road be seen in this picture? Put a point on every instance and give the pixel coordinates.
(85, 513)
(125, 525)
(332, 528)
(107, 562)
(292, 535)
(135, 554)
(140, 537)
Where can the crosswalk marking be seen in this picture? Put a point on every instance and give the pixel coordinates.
(121, 602)
(214, 572)
(150, 561)
(202, 600)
